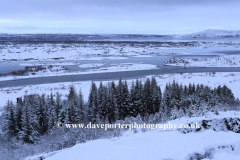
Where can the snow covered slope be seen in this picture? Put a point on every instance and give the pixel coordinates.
(150, 145)
(158, 144)
(212, 33)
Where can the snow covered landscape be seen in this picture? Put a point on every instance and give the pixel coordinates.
(119, 80)
(218, 118)
(48, 60)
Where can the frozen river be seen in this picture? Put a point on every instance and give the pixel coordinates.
(156, 60)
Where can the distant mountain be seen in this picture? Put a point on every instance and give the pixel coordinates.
(80, 37)
(213, 33)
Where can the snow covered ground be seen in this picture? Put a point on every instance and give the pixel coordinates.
(157, 144)
(143, 56)
(222, 61)
(57, 71)
(74, 51)
(95, 51)
(152, 145)
(232, 80)
(224, 156)
(48, 64)
(90, 65)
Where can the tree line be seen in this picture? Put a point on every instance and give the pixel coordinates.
(37, 114)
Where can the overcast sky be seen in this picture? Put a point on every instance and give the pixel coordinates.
(118, 16)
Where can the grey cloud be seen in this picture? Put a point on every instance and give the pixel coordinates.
(120, 16)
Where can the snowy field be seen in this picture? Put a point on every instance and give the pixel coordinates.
(47, 51)
(90, 65)
(48, 64)
(96, 51)
(158, 144)
(232, 80)
(222, 61)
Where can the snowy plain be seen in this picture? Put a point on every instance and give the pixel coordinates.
(97, 51)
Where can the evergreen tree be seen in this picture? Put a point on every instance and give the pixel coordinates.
(166, 101)
(193, 88)
(42, 114)
(92, 103)
(104, 104)
(174, 113)
(79, 108)
(156, 95)
(190, 90)
(28, 133)
(9, 124)
(72, 92)
(147, 97)
(111, 105)
(51, 119)
(120, 99)
(58, 106)
(18, 113)
(137, 98)
(100, 99)
(140, 95)
(128, 110)
(51, 109)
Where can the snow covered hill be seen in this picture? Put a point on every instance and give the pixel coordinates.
(150, 145)
(160, 144)
(213, 33)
